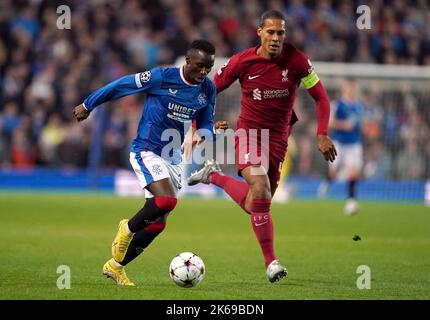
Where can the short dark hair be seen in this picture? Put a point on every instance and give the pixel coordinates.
(202, 45)
(270, 14)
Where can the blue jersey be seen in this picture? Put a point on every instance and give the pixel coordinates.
(171, 103)
(348, 111)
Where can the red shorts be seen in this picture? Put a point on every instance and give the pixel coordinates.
(261, 147)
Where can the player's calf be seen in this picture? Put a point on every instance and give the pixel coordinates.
(259, 188)
(153, 209)
(262, 225)
(142, 240)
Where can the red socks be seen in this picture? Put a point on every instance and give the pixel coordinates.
(263, 228)
(235, 188)
(260, 212)
(156, 227)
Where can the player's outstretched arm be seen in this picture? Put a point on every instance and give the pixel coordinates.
(221, 125)
(127, 85)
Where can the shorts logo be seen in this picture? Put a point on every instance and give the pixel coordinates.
(145, 76)
(256, 94)
(157, 169)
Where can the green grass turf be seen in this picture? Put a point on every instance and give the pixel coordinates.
(313, 239)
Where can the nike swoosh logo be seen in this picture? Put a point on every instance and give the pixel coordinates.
(172, 91)
(260, 224)
(253, 77)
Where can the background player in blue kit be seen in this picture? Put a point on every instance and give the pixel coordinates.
(345, 122)
(175, 97)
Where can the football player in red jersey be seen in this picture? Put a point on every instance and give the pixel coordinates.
(269, 75)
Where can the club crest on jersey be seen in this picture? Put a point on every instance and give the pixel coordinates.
(285, 75)
(145, 76)
(202, 99)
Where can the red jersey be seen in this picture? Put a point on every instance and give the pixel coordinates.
(268, 85)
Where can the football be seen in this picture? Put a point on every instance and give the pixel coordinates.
(187, 270)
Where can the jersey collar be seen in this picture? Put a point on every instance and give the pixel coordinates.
(181, 72)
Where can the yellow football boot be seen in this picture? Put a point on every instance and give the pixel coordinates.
(121, 242)
(117, 273)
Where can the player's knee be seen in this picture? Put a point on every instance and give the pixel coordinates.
(166, 204)
(156, 227)
(260, 190)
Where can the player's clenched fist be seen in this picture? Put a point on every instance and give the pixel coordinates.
(221, 125)
(80, 112)
(326, 147)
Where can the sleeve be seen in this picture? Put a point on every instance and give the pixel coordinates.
(205, 118)
(312, 83)
(322, 102)
(127, 85)
(227, 74)
(308, 76)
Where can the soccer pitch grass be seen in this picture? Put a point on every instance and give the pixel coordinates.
(313, 239)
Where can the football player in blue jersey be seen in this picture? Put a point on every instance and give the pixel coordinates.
(345, 122)
(175, 97)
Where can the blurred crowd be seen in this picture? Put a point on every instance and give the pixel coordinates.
(46, 71)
